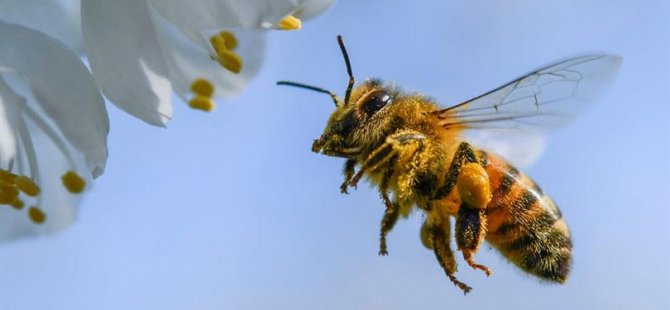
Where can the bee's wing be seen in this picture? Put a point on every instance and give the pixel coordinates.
(543, 99)
(519, 111)
(520, 148)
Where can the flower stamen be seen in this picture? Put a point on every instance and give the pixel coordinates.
(202, 87)
(229, 39)
(36, 215)
(8, 194)
(73, 182)
(26, 185)
(290, 22)
(18, 204)
(231, 61)
(223, 44)
(202, 103)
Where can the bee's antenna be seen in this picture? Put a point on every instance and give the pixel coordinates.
(348, 63)
(314, 88)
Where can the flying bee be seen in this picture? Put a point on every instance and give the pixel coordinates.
(410, 147)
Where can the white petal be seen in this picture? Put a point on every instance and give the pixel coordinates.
(312, 8)
(188, 61)
(125, 58)
(61, 85)
(59, 19)
(8, 100)
(196, 18)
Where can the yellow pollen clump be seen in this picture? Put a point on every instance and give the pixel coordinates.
(231, 61)
(17, 204)
(36, 215)
(6, 177)
(290, 22)
(27, 186)
(73, 182)
(202, 103)
(223, 44)
(219, 44)
(229, 39)
(202, 87)
(473, 185)
(8, 194)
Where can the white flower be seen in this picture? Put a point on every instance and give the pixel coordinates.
(140, 51)
(53, 132)
(57, 18)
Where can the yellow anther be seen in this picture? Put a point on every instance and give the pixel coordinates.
(229, 39)
(231, 61)
(36, 215)
(202, 103)
(27, 186)
(8, 194)
(73, 182)
(290, 22)
(18, 204)
(202, 87)
(473, 186)
(219, 44)
(6, 177)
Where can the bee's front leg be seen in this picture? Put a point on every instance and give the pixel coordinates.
(349, 170)
(391, 148)
(388, 221)
(467, 175)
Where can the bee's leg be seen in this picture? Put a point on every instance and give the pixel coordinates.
(467, 174)
(388, 221)
(394, 145)
(384, 184)
(437, 237)
(349, 166)
(470, 232)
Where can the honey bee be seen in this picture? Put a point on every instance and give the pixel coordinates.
(409, 146)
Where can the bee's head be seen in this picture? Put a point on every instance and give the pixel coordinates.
(355, 125)
(356, 120)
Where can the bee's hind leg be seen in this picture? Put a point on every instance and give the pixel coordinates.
(437, 238)
(468, 176)
(470, 232)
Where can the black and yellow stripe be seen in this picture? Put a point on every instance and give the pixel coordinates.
(525, 225)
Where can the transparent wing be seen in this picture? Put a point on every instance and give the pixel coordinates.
(520, 148)
(543, 99)
(516, 114)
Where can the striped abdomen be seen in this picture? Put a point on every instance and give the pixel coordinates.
(524, 224)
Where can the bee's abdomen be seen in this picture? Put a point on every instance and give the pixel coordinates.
(525, 224)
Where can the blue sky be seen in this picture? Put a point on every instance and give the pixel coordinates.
(231, 210)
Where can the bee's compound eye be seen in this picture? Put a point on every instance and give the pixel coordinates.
(375, 101)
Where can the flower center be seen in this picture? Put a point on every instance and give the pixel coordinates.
(224, 43)
(12, 186)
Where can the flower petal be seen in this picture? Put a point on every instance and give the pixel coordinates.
(61, 85)
(198, 17)
(312, 8)
(188, 61)
(59, 19)
(125, 58)
(8, 99)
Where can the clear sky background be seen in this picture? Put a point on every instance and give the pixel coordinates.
(231, 210)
